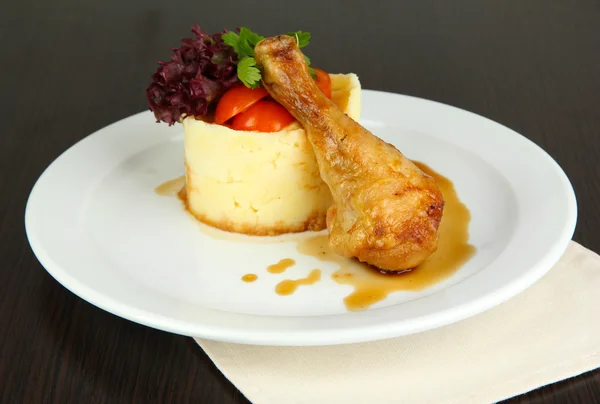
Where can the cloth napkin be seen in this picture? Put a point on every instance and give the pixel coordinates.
(547, 333)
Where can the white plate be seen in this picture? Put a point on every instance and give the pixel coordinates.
(97, 226)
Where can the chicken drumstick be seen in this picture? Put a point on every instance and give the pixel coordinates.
(386, 211)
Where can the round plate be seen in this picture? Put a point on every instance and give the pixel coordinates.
(97, 226)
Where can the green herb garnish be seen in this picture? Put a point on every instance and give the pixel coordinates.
(248, 73)
(244, 42)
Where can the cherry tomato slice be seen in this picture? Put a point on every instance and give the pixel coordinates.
(263, 116)
(323, 82)
(236, 100)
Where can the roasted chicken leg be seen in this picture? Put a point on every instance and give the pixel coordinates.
(386, 211)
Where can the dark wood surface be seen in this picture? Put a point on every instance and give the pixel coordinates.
(68, 68)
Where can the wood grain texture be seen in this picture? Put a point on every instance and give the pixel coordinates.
(69, 68)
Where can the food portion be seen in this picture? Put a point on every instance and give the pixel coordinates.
(272, 146)
(386, 211)
(249, 166)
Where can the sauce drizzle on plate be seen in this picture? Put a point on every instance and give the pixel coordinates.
(289, 286)
(249, 278)
(281, 266)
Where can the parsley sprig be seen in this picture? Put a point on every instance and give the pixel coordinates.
(244, 42)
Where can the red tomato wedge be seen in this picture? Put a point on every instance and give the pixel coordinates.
(236, 100)
(263, 116)
(323, 82)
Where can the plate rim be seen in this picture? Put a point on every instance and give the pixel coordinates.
(314, 337)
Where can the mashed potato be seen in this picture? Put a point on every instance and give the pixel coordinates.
(260, 183)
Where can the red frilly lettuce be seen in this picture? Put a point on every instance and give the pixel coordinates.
(199, 72)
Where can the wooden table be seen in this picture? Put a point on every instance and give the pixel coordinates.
(69, 68)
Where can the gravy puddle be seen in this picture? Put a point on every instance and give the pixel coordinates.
(281, 266)
(289, 286)
(249, 278)
(371, 286)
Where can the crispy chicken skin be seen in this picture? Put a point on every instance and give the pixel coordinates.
(386, 211)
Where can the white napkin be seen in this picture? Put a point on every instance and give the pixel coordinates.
(549, 332)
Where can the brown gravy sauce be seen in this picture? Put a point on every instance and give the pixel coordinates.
(249, 277)
(371, 286)
(281, 266)
(289, 286)
(171, 187)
